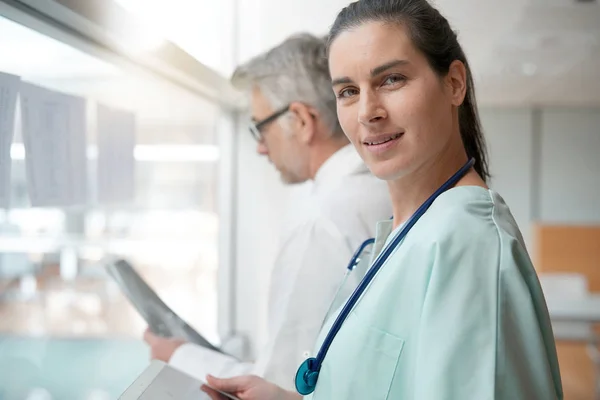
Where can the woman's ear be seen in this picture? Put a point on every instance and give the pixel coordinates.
(305, 121)
(456, 80)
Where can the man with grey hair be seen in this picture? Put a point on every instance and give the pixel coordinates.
(295, 124)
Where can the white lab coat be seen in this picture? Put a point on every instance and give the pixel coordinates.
(339, 212)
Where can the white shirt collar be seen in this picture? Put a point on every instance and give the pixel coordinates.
(343, 162)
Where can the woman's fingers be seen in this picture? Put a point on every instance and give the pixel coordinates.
(229, 385)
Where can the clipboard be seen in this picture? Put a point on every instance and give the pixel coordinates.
(159, 381)
(161, 320)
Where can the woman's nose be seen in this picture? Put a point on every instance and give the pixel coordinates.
(371, 110)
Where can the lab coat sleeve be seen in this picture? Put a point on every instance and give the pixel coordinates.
(198, 361)
(484, 329)
(321, 264)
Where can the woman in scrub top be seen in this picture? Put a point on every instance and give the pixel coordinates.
(456, 312)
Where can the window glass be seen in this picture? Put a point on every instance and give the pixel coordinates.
(66, 331)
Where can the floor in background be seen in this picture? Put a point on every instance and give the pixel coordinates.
(68, 369)
(577, 371)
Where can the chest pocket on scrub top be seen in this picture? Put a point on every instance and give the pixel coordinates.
(364, 368)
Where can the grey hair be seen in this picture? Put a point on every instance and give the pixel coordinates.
(295, 70)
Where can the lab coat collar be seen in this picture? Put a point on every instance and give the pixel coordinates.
(345, 161)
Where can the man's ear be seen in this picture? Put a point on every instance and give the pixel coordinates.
(456, 81)
(305, 121)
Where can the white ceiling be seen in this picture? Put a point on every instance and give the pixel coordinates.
(542, 52)
(523, 52)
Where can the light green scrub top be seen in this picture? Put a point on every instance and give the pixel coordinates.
(456, 313)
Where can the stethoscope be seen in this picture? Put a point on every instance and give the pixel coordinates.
(308, 372)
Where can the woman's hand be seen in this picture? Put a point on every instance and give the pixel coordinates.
(247, 388)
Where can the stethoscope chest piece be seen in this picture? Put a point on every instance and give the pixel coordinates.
(306, 377)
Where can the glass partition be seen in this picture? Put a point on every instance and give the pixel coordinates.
(66, 331)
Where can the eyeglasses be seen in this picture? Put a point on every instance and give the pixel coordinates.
(256, 127)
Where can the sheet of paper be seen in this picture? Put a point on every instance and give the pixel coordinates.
(116, 163)
(54, 133)
(9, 87)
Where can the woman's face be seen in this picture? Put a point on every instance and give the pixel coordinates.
(394, 108)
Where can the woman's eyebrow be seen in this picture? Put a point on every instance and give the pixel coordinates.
(374, 72)
(384, 67)
(339, 81)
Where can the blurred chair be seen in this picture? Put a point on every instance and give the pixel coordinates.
(571, 286)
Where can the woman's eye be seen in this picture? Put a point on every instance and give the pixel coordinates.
(390, 80)
(348, 92)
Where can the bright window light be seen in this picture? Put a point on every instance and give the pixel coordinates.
(33, 56)
(152, 153)
(193, 25)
